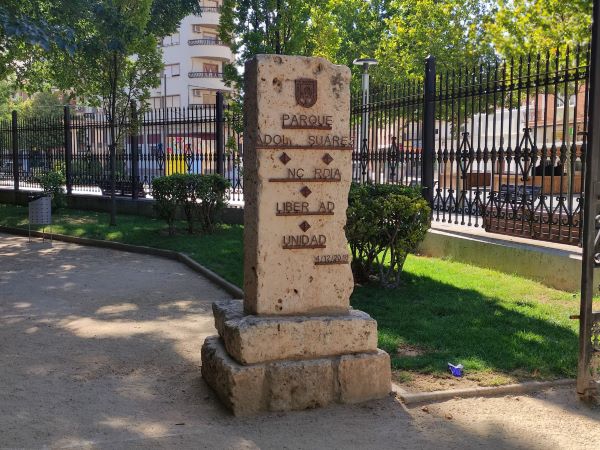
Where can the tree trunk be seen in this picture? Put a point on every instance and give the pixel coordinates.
(278, 29)
(113, 143)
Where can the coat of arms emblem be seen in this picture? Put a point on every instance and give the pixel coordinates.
(306, 92)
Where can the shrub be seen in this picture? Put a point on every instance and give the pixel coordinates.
(165, 200)
(385, 224)
(52, 183)
(182, 185)
(210, 194)
(201, 197)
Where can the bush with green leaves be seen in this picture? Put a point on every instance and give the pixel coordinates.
(165, 200)
(182, 191)
(210, 194)
(384, 224)
(52, 183)
(200, 197)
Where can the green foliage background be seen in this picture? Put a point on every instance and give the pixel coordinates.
(402, 33)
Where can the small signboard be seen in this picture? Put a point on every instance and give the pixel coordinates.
(40, 212)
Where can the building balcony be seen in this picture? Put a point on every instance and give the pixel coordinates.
(205, 74)
(210, 9)
(208, 41)
(212, 52)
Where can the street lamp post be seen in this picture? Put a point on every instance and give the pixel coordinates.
(365, 63)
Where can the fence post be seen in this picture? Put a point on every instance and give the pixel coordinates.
(68, 150)
(15, 150)
(587, 388)
(219, 137)
(428, 156)
(134, 152)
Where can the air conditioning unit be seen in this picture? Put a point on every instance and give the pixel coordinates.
(197, 92)
(197, 28)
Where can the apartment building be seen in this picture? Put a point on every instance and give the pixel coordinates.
(194, 58)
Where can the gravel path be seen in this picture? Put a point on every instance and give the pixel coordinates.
(101, 349)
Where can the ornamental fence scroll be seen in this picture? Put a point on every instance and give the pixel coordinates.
(507, 147)
(200, 139)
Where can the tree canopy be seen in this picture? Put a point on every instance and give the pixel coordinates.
(402, 33)
(521, 27)
(399, 33)
(450, 30)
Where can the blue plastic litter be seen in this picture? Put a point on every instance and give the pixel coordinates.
(457, 370)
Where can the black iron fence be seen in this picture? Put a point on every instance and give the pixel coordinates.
(200, 139)
(501, 145)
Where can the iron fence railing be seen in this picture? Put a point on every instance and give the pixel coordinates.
(214, 9)
(206, 41)
(203, 139)
(205, 74)
(500, 146)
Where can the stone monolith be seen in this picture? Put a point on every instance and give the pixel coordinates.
(294, 342)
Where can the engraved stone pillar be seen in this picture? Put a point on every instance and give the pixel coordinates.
(295, 343)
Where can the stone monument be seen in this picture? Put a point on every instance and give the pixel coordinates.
(294, 342)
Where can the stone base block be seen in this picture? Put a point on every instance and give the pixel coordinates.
(253, 339)
(294, 385)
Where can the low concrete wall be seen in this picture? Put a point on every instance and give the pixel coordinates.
(13, 198)
(554, 266)
(140, 207)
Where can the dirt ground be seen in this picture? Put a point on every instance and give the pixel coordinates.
(101, 349)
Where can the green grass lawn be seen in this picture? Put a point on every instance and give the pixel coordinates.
(494, 324)
(220, 251)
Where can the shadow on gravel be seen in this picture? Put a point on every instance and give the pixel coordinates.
(101, 349)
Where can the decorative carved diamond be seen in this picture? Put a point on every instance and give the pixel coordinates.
(304, 226)
(305, 191)
(284, 158)
(327, 158)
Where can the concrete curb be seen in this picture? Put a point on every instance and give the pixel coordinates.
(228, 287)
(492, 391)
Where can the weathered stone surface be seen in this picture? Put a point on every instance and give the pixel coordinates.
(364, 377)
(296, 343)
(251, 339)
(240, 388)
(280, 281)
(292, 385)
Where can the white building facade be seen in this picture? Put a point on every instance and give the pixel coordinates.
(194, 58)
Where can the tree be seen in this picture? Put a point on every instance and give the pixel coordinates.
(450, 30)
(339, 30)
(116, 60)
(343, 30)
(7, 98)
(29, 27)
(252, 27)
(522, 27)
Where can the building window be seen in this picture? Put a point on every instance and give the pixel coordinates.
(210, 36)
(210, 68)
(170, 101)
(171, 70)
(210, 5)
(171, 40)
(208, 97)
